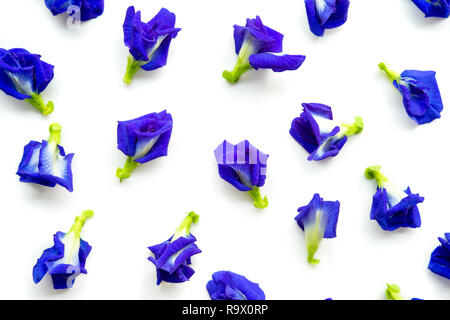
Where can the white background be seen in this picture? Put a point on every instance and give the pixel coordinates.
(266, 246)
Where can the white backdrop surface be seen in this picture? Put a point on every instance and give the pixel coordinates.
(266, 246)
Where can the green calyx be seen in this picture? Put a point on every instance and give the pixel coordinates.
(392, 75)
(80, 221)
(393, 292)
(125, 172)
(258, 201)
(132, 67)
(37, 102)
(55, 133)
(354, 128)
(311, 252)
(185, 227)
(242, 64)
(374, 172)
(313, 237)
(239, 69)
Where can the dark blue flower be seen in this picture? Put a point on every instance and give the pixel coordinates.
(318, 220)
(393, 208)
(46, 163)
(440, 258)
(227, 285)
(434, 8)
(148, 42)
(24, 76)
(258, 46)
(421, 96)
(173, 257)
(326, 14)
(315, 131)
(143, 139)
(89, 9)
(67, 258)
(243, 166)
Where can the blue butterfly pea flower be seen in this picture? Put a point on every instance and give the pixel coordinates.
(149, 42)
(244, 167)
(67, 258)
(393, 208)
(326, 14)
(434, 8)
(318, 220)
(46, 163)
(25, 76)
(258, 46)
(89, 9)
(173, 257)
(143, 139)
(315, 131)
(421, 96)
(227, 285)
(440, 258)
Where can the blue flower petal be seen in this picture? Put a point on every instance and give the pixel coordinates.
(403, 214)
(324, 9)
(49, 256)
(440, 258)
(237, 175)
(89, 9)
(421, 96)
(313, 19)
(145, 138)
(326, 14)
(329, 146)
(55, 166)
(176, 253)
(63, 276)
(159, 56)
(171, 259)
(277, 63)
(227, 285)
(242, 165)
(23, 74)
(434, 8)
(305, 129)
(326, 211)
(339, 17)
(182, 274)
(320, 136)
(149, 41)
(29, 166)
(264, 39)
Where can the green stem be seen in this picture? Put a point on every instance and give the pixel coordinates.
(55, 133)
(311, 252)
(132, 67)
(185, 227)
(374, 172)
(239, 69)
(79, 222)
(392, 75)
(37, 102)
(242, 64)
(258, 201)
(393, 292)
(129, 167)
(354, 128)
